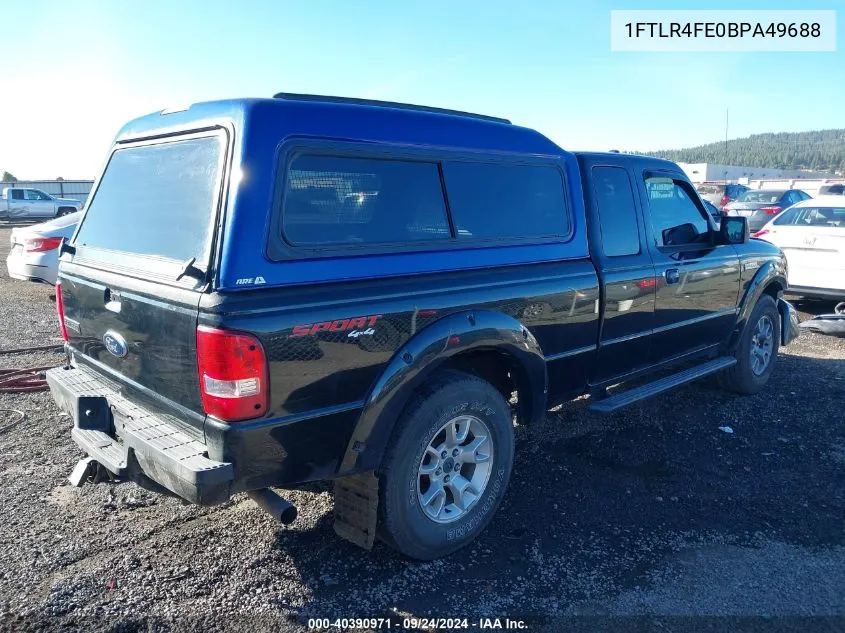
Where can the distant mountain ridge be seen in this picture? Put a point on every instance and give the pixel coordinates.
(821, 150)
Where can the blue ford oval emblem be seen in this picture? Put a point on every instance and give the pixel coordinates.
(115, 343)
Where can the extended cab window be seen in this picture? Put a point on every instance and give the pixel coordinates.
(617, 213)
(17, 194)
(342, 200)
(491, 200)
(157, 200)
(676, 219)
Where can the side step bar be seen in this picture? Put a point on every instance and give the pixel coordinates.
(625, 398)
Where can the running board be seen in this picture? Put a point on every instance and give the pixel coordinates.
(625, 398)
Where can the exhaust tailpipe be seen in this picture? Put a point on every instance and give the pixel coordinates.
(278, 507)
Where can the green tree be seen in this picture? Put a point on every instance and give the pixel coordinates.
(821, 150)
(7, 177)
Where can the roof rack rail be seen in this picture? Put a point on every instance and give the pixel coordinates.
(291, 96)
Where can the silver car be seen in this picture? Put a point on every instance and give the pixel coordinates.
(760, 206)
(35, 249)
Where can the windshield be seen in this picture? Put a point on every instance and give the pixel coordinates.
(760, 196)
(157, 200)
(813, 216)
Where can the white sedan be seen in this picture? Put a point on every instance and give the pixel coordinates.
(812, 236)
(35, 249)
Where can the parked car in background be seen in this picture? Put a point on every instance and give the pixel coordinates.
(720, 194)
(832, 190)
(760, 206)
(20, 203)
(812, 236)
(35, 249)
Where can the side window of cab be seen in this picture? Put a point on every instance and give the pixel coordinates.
(675, 217)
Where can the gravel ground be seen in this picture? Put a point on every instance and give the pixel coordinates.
(654, 512)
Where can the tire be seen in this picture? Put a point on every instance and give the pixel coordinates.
(478, 408)
(746, 377)
(64, 211)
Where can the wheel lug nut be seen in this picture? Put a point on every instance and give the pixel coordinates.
(438, 472)
(457, 467)
(444, 454)
(455, 452)
(446, 478)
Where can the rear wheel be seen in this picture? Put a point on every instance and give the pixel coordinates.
(757, 351)
(447, 466)
(64, 211)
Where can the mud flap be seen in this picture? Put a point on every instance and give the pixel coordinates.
(355, 508)
(789, 327)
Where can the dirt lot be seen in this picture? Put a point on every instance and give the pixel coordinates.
(653, 512)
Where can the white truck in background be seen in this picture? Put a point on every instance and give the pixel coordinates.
(24, 203)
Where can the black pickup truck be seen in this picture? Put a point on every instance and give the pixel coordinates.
(268, 292)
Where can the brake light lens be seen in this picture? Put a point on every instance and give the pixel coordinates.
(232, 373)
(771, 210)
(41, 244)
(725, 200)
(60, 309)
(760, 233)
(651, 282)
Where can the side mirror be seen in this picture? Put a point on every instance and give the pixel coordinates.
(733, 230)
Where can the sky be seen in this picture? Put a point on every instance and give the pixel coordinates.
(79, 70)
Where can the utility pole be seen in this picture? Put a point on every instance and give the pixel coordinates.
(726, 135)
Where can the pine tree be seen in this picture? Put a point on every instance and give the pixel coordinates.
(822, 150)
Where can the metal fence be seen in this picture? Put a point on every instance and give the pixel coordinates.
(808, 185)
(75, 189)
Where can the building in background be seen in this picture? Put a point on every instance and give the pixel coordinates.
(704, 172)
(75, 189)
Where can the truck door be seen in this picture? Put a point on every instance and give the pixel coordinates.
(698, 280)
(624, 265)
(40, 204)
(18, 204)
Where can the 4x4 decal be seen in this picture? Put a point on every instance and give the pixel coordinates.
(359, 326)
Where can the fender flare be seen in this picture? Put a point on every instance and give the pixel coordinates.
(420, 357)
(770, 272)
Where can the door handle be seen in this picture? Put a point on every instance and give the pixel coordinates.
(672, 276)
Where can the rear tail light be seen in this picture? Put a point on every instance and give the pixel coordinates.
(725, 200)
(41, 244)
(60, 309)
(651, 282)
(771, 210)
(233, 374)
(760, 233)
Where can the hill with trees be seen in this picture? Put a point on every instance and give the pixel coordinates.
(822, 150)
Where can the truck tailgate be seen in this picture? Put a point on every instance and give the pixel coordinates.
(127, 326)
